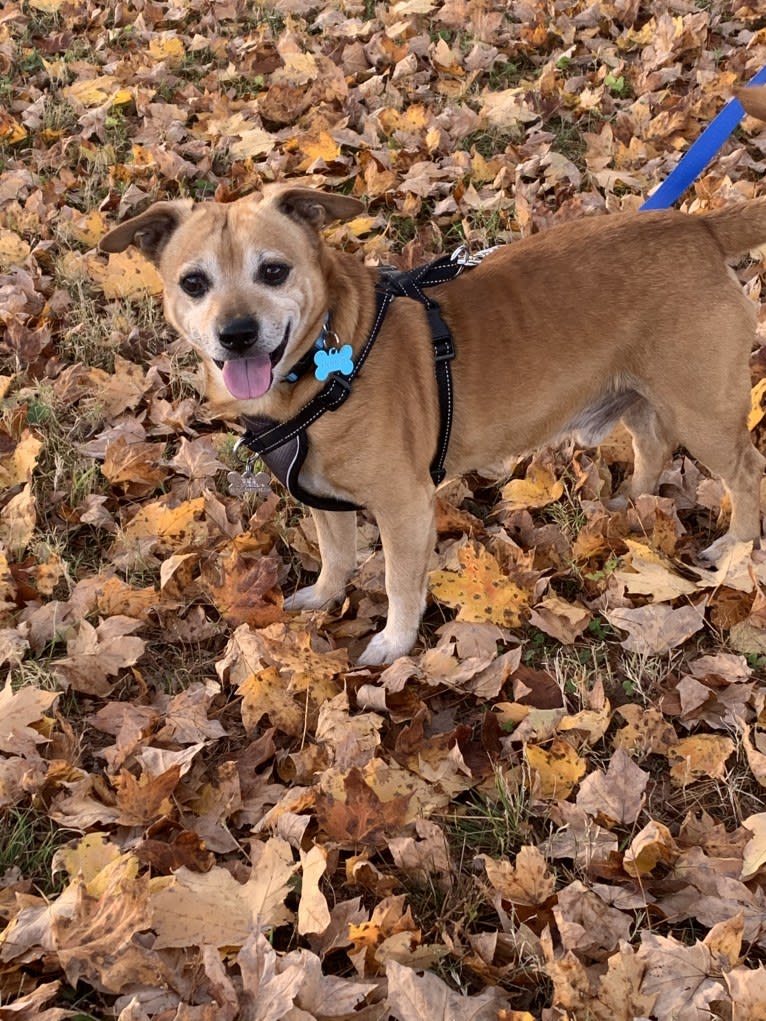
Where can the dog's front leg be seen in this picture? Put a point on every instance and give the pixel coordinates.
(336, 533)
(407, 533)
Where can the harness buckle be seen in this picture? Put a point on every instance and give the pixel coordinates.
(439, 329)
(444, 349)
(332, 395)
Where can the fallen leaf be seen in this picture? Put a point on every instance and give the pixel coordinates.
(754, 858)
(313, 913)
(480, 590)
(527, 882)
(412, 997)
(557, 769)
(650, 846)
(655, 630)
(22, 718)
(538, 489)
(96, 654)
(617, 795)
(193, 909)
(697, 756)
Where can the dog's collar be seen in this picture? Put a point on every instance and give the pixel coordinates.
(306, 362)
(288, 441)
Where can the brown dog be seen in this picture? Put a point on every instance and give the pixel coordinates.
(626, 317)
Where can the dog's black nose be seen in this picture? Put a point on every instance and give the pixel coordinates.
(239, 334)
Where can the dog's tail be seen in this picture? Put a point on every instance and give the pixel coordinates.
(740, 228)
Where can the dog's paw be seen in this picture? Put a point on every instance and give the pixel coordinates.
(385, 648)
(311, 598)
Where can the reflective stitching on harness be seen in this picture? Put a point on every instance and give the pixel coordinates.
(446, 432)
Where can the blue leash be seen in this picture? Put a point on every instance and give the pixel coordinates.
(702, 151)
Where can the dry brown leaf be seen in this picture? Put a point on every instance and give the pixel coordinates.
(586, 924)
(748, 993)
(134, 466)
(725, 940)
(351, 740)
(645, 732)
(682, 978)
(561, 620)
(193, 909)
(362, 816)
(755, 850)
(265, 983)
(17, 467)
(23, 723)
(96, 654)
(655, 630)
(313, 912)
(243, 588)
(18, 521)
(31, 1007)
(412, 997)
(529, 881)
(617, 795)
(652, 574)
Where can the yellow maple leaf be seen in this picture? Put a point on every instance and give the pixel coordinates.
(19, 521)
(538, 489)
(167, 47)
(126, 275)
(322, 147)
(10, 129)
(652, 845)
(697, 756)
(559, 768)
(88, 859)
(91, 92)
(87, 228)
(18, 467)
(480, 590)
(13, 249)
(169, 527)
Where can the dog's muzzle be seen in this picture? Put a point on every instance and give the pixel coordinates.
(239, 335)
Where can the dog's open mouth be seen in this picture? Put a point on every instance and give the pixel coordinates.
(251, 377)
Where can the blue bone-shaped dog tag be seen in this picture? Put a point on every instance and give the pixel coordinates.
(335, 359)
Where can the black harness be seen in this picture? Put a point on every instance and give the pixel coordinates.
(283, 446)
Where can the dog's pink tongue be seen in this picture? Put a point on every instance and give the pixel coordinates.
(247, 377)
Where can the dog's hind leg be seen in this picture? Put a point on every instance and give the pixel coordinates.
(723, 445)
(408, 533)
(336, 533)
(740, 466)
(652, 446)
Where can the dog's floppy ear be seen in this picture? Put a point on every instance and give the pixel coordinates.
(315, 207)
(148, 231)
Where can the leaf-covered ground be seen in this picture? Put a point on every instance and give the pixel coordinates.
(553, 809)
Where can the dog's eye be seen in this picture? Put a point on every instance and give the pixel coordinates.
(273, 273)
(196, 284)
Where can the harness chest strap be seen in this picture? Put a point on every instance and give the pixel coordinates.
(283, 446)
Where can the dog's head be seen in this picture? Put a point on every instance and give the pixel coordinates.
(245, 282)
